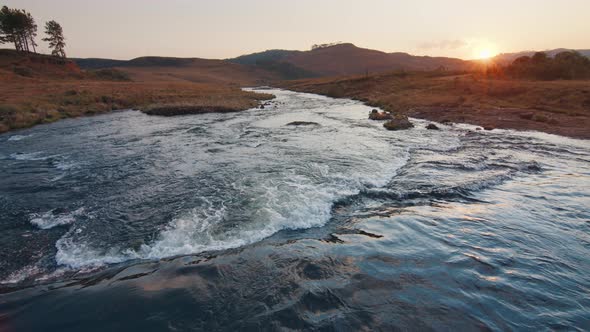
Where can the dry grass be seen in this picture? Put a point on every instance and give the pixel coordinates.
(37, 88)
(468, 98)
(25, 102)
(403, 91)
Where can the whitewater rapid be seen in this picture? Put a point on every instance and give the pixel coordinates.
(127, 186)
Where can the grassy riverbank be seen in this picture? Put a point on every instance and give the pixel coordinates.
(24, 103)
(37, 89)
(559, 107)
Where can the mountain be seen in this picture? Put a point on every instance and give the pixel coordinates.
(262, 67)
(332, 60)
(274, 60)
(506, 58)
(266, 56)
(348, 59)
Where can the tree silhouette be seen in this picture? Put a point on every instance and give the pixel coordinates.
(18, 27)
(31, 31)
(567, 65)
(55, 38)
(539, 57)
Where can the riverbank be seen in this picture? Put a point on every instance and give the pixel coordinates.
(556, 107)
(28, 102)
(37, 88)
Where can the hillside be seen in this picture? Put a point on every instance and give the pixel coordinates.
(98, 63)
(268, 66)
(14, 65)
(274, 61)
(348, 59)
(36, 88)
(196, 70)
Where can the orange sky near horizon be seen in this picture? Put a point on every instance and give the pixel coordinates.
(467, 29)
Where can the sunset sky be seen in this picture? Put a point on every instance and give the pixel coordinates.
(467, 29)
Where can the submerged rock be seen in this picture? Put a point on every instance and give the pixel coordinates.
(398, 123)
(432, 126)
(302, 123)
(488, 128)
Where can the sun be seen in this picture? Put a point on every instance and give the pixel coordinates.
(485, 54)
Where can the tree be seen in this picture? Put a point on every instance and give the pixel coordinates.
(539, 57)
(31, 31)
(523, 60)
(567, 65)
(55, 38)
(18, 27)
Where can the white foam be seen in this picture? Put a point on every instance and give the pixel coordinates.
(338, 159)
(49, 219)
(14, 138)
(79, 255)
(190, 233)
(22, 274)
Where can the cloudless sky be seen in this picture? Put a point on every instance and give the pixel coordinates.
(124, 29)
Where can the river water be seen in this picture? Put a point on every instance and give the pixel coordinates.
(242, 222)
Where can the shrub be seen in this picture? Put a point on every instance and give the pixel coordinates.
(23, 71)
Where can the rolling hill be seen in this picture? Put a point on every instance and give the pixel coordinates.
(348, 59)
(196, 70)
(14, 65)
(271, 65)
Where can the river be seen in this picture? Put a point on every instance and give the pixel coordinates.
(240, 221)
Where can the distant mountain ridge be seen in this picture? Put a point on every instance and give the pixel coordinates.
(332, 60)
(348, 59)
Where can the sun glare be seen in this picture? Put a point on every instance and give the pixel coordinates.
(485, 53)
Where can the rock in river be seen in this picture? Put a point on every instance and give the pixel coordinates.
(376, 115)
(302, 123)
(398, 123)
